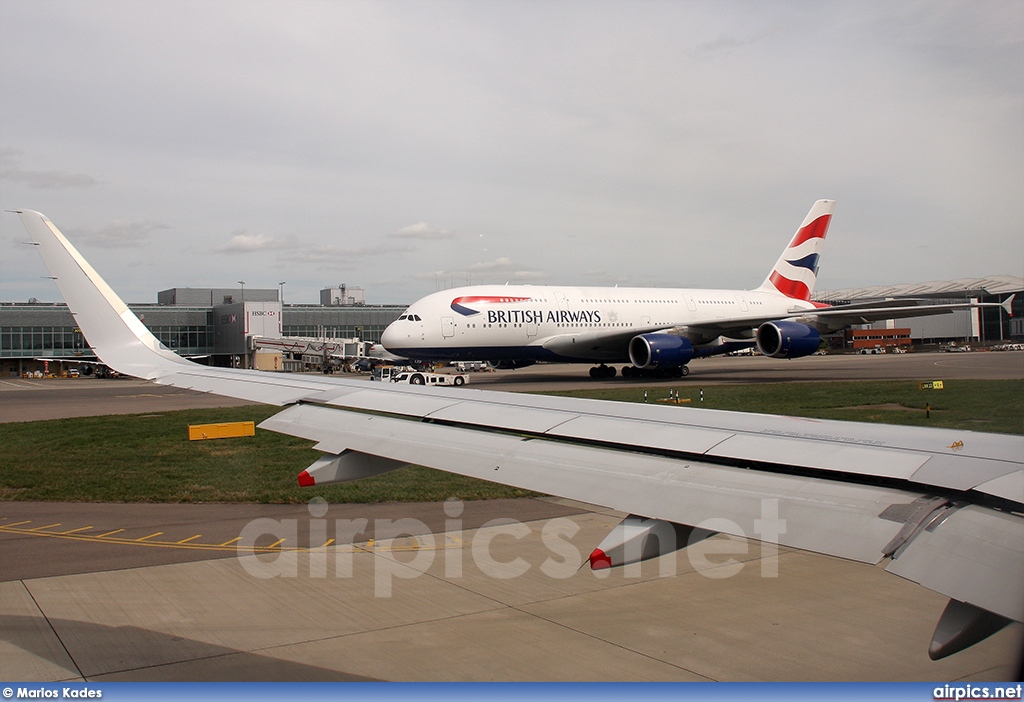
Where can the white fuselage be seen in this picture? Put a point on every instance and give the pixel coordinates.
(523, 322)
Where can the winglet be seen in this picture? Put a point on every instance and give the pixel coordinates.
(796, 271)
(1007, 304)
(118, 337)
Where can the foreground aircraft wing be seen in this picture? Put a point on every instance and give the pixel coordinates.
(942, 507)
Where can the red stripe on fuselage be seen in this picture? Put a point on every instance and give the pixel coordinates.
(814, 230)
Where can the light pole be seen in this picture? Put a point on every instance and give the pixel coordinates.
(242, 283)
(282, 291)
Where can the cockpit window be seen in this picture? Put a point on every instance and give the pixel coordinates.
(416, 318)
(404, 316)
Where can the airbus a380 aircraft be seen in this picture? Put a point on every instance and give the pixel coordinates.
(657, 330)
(939, 507)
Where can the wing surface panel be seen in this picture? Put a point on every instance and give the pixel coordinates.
(823, 516)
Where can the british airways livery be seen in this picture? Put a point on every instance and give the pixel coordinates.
(656, 330)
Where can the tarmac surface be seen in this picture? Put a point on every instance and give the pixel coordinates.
(493, 590)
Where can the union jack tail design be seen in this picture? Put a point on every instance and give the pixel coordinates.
(796, 271)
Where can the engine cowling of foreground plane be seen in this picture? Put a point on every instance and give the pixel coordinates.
(510, 364)
(660, 351)
(787, 339)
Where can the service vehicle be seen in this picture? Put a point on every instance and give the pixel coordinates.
(423, 378)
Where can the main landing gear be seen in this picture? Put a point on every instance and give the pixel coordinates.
(602, 371)
(634, 372)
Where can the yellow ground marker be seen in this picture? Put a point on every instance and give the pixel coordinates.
(115, 531)
(75, 531)
(191, 538)
(44, 527)
(226, 430)
(150, 536)
(228, 543)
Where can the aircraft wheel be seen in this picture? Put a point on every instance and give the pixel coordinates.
(684, 371)
(593, 372)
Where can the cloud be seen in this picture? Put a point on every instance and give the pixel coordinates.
(422, 230)
(328, 254)
(244, 242)
(725, 43)
(502, 268)
(498, 264)
(599, 276)
(119, 234)
(10, 169)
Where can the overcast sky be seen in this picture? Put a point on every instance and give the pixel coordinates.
(408, 146)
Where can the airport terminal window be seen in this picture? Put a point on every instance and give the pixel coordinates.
(41, 340)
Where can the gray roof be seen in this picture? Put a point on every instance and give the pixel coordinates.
(961, 287)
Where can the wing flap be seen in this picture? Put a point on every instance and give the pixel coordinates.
(846, 458)
(819, 515)
(974, 555)
(651, 435)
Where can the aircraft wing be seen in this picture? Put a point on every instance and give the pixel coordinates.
(827, 319)
(943, 507)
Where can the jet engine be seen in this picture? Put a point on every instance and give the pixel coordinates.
(650, 351)
(787, 339)
(510, 364)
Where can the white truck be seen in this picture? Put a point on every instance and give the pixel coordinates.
(424, 378)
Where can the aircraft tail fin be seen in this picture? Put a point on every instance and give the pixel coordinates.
(796, 271)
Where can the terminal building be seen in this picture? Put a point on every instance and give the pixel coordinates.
(214, 325)
(217, 325)
(986, 326)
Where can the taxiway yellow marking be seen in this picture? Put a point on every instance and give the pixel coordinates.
(74, 531)
(370, 546)
(99, 538)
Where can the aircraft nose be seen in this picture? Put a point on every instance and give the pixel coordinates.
(389, 336)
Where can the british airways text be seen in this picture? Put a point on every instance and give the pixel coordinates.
(540, 317)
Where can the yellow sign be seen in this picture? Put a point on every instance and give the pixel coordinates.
(930, 385)
(198, 432)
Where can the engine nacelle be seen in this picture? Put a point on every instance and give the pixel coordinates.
(787, 339)
(510, 364)
(660, 351)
